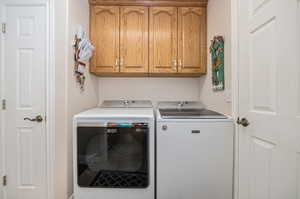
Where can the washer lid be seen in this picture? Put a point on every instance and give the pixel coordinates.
(190, 114)
(187, 110)
(126, 104)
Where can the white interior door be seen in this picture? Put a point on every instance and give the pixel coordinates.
(25, 94)
(269, 98)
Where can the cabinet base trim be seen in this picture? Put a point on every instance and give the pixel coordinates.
(148, 75)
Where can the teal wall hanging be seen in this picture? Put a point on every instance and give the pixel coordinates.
(217, 56)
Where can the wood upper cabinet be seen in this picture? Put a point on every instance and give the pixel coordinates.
(192, 43)
(142, 41)
(163, 40)
(178, 41)
(134, 40)
(105, 33)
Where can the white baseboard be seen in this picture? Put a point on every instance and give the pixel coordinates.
(71, 197)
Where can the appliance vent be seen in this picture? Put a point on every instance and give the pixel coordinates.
(119, 179)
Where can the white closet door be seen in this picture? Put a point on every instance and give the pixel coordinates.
(269, 98)
(25, 94)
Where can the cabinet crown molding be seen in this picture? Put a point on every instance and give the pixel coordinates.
(177, 3)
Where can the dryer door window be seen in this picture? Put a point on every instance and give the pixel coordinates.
(113, 157)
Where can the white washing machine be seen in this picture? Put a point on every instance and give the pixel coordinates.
(114, 151)
(194, 152)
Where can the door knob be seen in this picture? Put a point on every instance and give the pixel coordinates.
(244, 122)
(38, 118)
(164, 127)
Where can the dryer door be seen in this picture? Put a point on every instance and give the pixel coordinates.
(112, 157)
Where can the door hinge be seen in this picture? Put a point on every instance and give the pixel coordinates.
(4, 180)
(3, 104)
(3, 27)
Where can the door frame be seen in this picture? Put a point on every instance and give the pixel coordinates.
(50, 97)
(235, 88)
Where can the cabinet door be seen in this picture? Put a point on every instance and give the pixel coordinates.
(163, 39)
(105, 35)
(134, 40)
(192, 43)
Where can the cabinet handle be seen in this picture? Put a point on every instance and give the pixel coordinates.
(164, 127)
(180, 63)
(174, 64)
(117, 62)
(121, 62)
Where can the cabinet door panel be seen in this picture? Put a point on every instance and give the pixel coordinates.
(163, 39)
(105, 35)
(134, 40)
(192, 43)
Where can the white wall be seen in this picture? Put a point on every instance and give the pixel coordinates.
(77, 101)
(219, 23)
(155, 89)
(61, 155)
(69, 14)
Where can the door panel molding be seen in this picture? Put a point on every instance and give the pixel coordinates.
(25, 170)
(263, 143)
(263, 89)
(106, 40)
(192, 44)
(25, 61)
(261, 158)
(257, 5)
(134, 44)
(163, 40)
